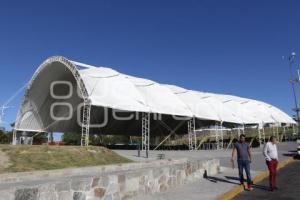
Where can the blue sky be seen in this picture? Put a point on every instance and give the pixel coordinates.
(232, 47)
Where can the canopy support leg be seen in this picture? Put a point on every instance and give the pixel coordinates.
(146, 132)
(192, 134)
(259, 136)
(222, 136)
(217, 137)
(264, 135)
(277, 131)
(283, 134)
(239, 131)
(48, 138)
(85, 129)
(244, 129)
(14, 139)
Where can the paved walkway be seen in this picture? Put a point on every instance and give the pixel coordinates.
(223, 155)
(214, 186)
(288, 182)
(205, 189)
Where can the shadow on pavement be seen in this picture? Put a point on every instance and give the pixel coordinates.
(217, 179)
(293, 154)
(228, 178)
(262, 187)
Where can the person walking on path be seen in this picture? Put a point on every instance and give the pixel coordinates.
(271, 154)
(244, 159)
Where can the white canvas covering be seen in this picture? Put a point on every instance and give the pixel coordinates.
(108, 88)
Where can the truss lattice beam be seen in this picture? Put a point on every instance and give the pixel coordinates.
(192, 134)
(85, 129)
(145, 131)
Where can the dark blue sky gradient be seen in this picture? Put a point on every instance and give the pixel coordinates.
(232, 47)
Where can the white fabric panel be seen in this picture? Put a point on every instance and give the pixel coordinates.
(277, 114)
(224, 112)
(259, 112)
(229, 108)
(287, 118)
(159, 98)
(108, 88)
(235, 105)
(199, 108)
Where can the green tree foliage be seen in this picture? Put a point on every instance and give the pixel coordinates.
(4, 138)
(103, 140)
(39, 138)
(95, 140)
(71, 138)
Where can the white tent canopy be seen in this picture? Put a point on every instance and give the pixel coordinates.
(106, 87)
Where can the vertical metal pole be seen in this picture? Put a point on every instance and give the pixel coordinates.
(239, 131)
(259, 135)
(14, 139)
(284, 133)
(146, 133)
(293, 82)
(192, 134)
(217, 136)
(195, 135)
(264, 135)
(85, 129)
(277, 131)
(222, 136)
(48, 138)
(294, 131)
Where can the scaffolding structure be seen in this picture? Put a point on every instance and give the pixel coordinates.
(84, 94)
(145, 132)
(192, 134)
(86, 111)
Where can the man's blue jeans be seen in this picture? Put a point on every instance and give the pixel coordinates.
(244, 164)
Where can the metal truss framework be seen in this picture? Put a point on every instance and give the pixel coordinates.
(192, 134)
(219, 136)
(86, 101)
(145, 131)
(259, 137)
(221, 140)
(263, 132)
(86, 111)
(172, 132)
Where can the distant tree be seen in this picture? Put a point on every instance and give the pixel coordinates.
(71, 138)
(104, 140)
(95, 139)
(3, 137)
(39, 138)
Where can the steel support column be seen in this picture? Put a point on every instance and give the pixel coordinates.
(277, 131)
(85, 129)
(221, 145)
(192, 134)
(14, 139)
(263, 131)
(145, 132)
(259, 136)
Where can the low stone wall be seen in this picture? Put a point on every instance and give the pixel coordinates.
(113, 182)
